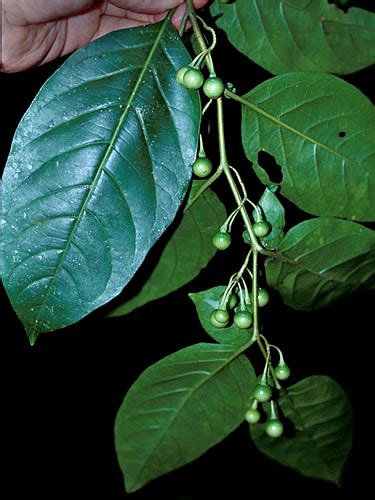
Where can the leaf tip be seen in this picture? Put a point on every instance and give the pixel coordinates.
(132, 485)
(32, 335)
(32, 339)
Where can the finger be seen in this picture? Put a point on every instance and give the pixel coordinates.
(178, 16)
(198, 4)
(109, 24)
(116, 12)
(147, 6)
(180, 12)
(41, 11)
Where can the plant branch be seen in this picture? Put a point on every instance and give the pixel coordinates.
(184, 21)
(264, 352)
(227, 171)
(198, 33)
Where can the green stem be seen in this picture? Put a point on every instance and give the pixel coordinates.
(232, 184)
(184, 21)
(256, 336)
(281, 357)
(235, 97)
(264, 352)
(223, 155)
(224, 166)
(255, 295)
(198, 33)
(244, 266)
(273, 413)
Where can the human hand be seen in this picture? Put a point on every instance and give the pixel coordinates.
(38, 31)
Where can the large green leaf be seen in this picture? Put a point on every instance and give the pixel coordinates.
(321, 131)
(320, 260)
(321, 440)
(99, 165)
(299, 35)
(180, 407)
(206, 302)
(187, 252)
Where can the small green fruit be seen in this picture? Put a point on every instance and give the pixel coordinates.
(202, 167)
(221, 315)
(263, 297)
(261, 228)
(213, 87)
(252, 416)
(243, 319)
(232, 301)
(274, 428)
(214, 322)
(282, 372)
(193, 78)
(180, 74)
(221, 240)
(262, 393)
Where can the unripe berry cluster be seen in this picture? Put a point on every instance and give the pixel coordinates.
(192, 78)
(262, 393)
(220, 318)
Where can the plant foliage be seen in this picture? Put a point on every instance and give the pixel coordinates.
(100, 166)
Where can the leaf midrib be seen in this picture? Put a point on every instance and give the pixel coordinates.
(307, 138)
(280, 256)
(34, 331)
(185, 400)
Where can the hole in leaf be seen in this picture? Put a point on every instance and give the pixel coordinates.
(342, 134)
(341, 4)
(268, 163)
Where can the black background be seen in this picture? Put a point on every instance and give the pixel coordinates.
(60, 398)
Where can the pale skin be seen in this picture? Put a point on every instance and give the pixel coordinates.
(35, 32)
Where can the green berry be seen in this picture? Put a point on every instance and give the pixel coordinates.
(221, 240)
(252, 416)
(193, 78)
(261, 228)
(282, 372)
(213, 87)
(180, 74)
(263, 297)
(243, 319)
(202, 166)
(246, 237)
(232, 301)
(274, 428)
(221, 315)
(214, 322)
(262, 393)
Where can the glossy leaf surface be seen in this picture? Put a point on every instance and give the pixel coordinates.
(321, 417)
(98, 168)
(299, 35)
(180, 407)
(320, 260)
(321, 132)
(206, 302)
(187, 252)
(273, 212)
